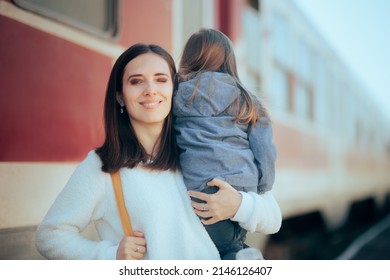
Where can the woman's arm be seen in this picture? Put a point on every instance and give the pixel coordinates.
(59, 235)
(254, 212)
(259, 213)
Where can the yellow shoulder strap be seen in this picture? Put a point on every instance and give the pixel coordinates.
(125, 219)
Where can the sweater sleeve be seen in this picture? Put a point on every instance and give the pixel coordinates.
(259, 212)
(59, 236)
(264, 150)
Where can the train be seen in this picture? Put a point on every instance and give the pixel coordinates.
(333, 142)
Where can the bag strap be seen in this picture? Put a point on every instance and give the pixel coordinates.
(125, 219)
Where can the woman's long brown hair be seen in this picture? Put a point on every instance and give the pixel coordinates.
(121, 147)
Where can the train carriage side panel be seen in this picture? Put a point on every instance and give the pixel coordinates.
(51, 101)
(149, 22)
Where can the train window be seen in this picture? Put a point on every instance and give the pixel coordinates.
(252, 38)
(99, 17)
(281, 40)
(280, 95)
(302, 102)
(321, 98)
(251, 50)
(304, 61)
(191, 15)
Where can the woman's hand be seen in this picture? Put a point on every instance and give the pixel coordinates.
(219, 206)
(132, 247)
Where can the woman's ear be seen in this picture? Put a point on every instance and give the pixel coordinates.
(119, 99)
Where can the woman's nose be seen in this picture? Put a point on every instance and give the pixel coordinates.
(150, 89)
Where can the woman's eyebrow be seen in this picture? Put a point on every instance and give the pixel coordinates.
(134, 75)
(161, 74)
(140, 75)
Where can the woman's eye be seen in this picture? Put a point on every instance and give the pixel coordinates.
(162, 80)
(135, 81)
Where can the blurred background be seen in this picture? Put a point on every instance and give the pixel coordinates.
(307, 60)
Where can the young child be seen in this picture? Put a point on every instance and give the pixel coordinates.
(221, 129)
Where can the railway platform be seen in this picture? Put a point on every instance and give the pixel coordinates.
(374, 244)
(18, 244)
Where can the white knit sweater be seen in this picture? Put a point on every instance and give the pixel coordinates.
(159, 206)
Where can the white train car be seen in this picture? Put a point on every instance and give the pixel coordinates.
(333, 141)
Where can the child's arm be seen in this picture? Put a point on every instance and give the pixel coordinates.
(264, 150)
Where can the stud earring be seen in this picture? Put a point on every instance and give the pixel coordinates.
(121, 110)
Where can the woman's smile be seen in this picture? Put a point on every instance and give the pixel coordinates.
(151, 104)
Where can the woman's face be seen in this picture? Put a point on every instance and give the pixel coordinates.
(147, 90)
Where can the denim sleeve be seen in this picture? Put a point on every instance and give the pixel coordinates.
(264, 150)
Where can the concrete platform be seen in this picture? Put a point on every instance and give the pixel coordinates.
(18, 244)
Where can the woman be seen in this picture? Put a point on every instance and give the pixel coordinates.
(140, 143)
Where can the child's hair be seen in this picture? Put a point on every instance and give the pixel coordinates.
(211, 50)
